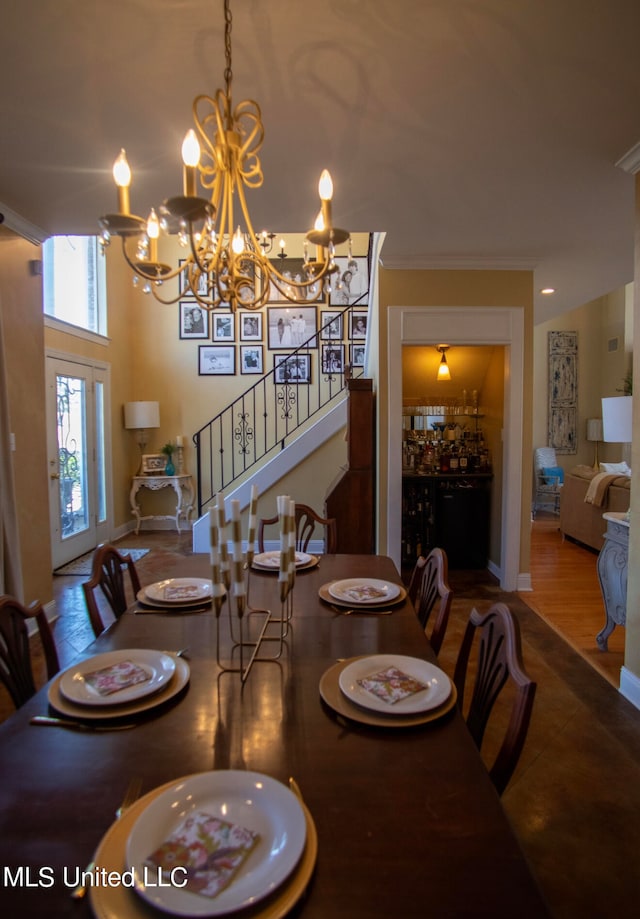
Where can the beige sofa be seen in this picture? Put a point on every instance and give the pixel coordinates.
(583, 521)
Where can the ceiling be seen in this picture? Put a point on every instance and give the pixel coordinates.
(473, 133)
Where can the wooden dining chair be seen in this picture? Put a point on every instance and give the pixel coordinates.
(306, 521)
(107, 573)
(499, 659)
(15, 653)
(428, 584)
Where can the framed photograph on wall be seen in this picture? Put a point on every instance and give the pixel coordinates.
(356, 355)
(194, 321)
(291, 326)
(358, 325)
(223, 326)
(250, 326)
(350, 282)
(251, 359)
(333, 358)
(330, 325)
(292, 368)
(217, 360)
(185, 290)
(293, 268)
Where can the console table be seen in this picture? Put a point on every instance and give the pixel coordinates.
(612, 573)
(181, 484)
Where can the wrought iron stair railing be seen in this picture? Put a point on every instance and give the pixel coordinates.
(268, 415)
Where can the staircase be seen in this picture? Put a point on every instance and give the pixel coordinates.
(277, 422)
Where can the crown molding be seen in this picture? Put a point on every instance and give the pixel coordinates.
(459, 263)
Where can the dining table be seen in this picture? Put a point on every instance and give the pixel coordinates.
(401, 816)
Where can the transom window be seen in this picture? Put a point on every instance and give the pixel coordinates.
(74, 281)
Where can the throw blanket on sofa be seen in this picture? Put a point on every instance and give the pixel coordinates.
(598, 488)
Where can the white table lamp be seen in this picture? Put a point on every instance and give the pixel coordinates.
(141, 416)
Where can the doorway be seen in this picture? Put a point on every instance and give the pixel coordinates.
(78, 399)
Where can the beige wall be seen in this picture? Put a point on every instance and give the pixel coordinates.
(456, 288)
(601, 371)
(632, 631)
(21, 304)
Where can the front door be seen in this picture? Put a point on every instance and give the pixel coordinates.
(77, 409)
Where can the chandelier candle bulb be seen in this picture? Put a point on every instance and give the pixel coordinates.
(190, 159)
(122, 178)
(153, 231)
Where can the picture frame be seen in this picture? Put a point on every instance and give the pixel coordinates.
(331, 325)
(291, 326)
(294, 267)
(193, 320)
(292, 368)
(223, 325)
(153, 463)
(332, 358)
(251, 359)
(350, 284)
(356, 355)
(358, 325)
(250, 325)
(216, 360)
(185, 291)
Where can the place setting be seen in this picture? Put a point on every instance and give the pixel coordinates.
(116, 685)
(209, 844)
(176, 595)
(270, 561)
(362, 595)
(388, 690)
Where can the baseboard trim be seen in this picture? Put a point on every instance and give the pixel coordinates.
(630, 686)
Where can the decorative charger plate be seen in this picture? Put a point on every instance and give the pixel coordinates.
(94, 681)
(179, 590)
(437, 692)
(91, 713)
(270, 561)
(247, 799)
(182, 607)
(325, 595)
(363, 591)
(120, 902)
(334, 697)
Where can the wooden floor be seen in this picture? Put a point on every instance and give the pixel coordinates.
(566, 594)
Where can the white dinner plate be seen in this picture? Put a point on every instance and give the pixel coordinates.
(159, 667)
(363, 591)
(438, 691)
(182, 607)
(127, 709)
(180, 590)
(272, 559)
(249, 799)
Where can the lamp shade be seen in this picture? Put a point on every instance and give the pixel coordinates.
(594, 429)
(141, 415)
(617, 419)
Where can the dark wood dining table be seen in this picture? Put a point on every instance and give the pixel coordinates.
(407, 820)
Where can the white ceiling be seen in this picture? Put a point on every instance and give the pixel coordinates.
(473, 133)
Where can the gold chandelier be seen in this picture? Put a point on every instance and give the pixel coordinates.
(224, 266)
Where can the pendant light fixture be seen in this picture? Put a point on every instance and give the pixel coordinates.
(443, 368)
(225, 262)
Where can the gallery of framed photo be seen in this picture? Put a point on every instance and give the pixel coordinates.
(333, 358)
(194, 321)
(292, 368)
(251, 359)
(250, 325)
(358, 325)
(356, 355)
(216, 360)
(350, 282)
(185, 290)
(330, 325)
(291, 326)
(223, 326)
(293, 268)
